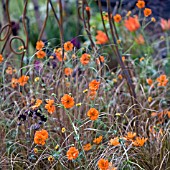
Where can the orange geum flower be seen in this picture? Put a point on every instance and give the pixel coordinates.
(37, 104)
(72, 153)
(40, 137)
(140, 4)
(68, 71)
(103, 164)
(132, 24)
(93, 114)
(165, 24)
(162, 80)
(140, 40)
(98, 140)
(105, 16)
(14, 82)
(39, 45)
(85, 59)
(87, 147)
(94, 85)
(101, 38)
(114, 141)
(130, 135)
(139, 141)
(147, 12)
(41, 54)
(67, 101)
(68, 46)
(23, 80)
(50, 106)
(123, 58)
(149, 81)
(117, 18)
(1, 58)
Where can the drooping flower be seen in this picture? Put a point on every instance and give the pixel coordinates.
(72, 153)
(114, 141)
(162, 80)
(93, 114)
(92, 94)
(149, 81)
(85, 59)
(139, 141)
(94, 85)
(68, 46)
(100, 59)
(103, 164)
(50, 106)
(117, 18)
(23, 80)
(87, 147)
(41, 54)
(147, 12)
(1, 58)
(67, 101)
(101, 38)
(140, 4)
(58, 53)
(98, 140)
(132, 24)
(68, 71)
(39, 45)
(165, 24)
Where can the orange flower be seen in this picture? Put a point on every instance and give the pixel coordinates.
(132, 24)
(41, 54)
(9, 70)
(85, 59)
(123, 58)
(162, 80)
(72, 153)
(68, 71)
(147, 12)
(165, 24)
(23, 80)
(114, 141)
(14, 82)
(67, 101)
(87, 8)
(140, 40)
(103, 164)
(68, 46)
(98, 140)
(94, 85)
(130, 135)
(101, 38)
(87, 147)
(139, 141)
(149, 81)
(117, 18)
(40, 137)
(105, 16)
(50, 106)
(93, 114)
(37, 104)
(39, 45)
(140, 4)
(92, 94)
(1, 58)
(120, 76)
(100, 59)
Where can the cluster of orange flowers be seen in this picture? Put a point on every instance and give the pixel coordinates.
(21, 81)
(161, 80)
(138, 141)
(40, 137)
(40, 53)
